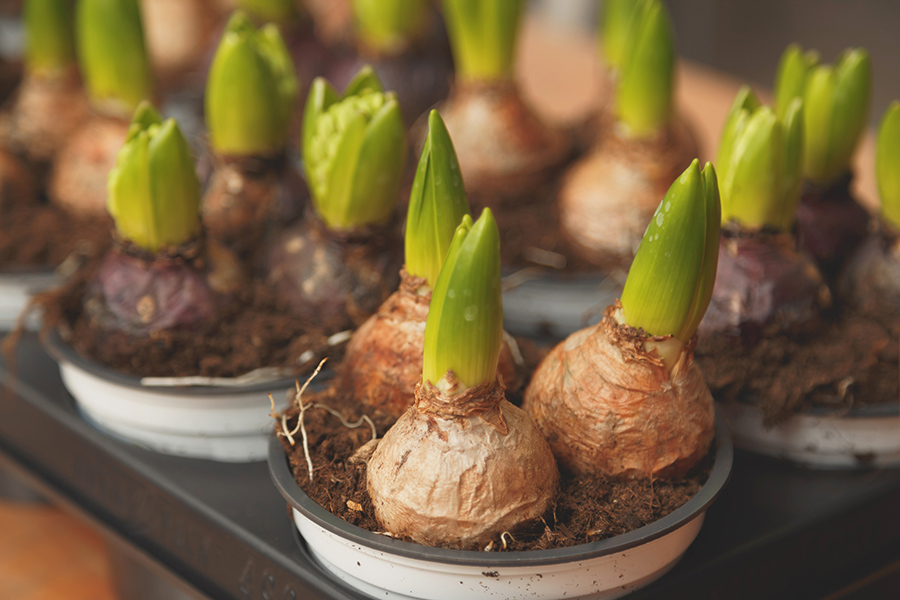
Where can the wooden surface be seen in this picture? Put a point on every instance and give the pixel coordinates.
(46, 554)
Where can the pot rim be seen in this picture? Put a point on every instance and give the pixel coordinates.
(887, 408)
(61, 351)
(297, 498)
(44, 271)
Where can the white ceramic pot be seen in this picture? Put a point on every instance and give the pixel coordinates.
(227, 423)
(16, 290)
(857, 438)
(386, 568)
(555, 305)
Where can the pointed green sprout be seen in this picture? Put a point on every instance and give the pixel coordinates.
(835, 107)
(153, 191)
(278, 11)
(615, 19)
(465, 320)
(437, 203)
(790, 80)
(671, 279)
(388, 26)
(251, 90)
(112, 54)
(49, 47)
(887, 164)
(759, 163)
(483, 37)
(647, 75)
(354, 149)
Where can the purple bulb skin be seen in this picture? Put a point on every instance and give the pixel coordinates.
(142, 297)
(763, 286)
(831, 224)
(335, 281)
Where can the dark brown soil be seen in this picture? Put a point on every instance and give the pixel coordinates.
(844, 363)
(587, 509)
(43, 235)
(251, 331)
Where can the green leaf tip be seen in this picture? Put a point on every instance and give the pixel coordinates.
(483, 37)
(251, 90)
(354, 150)
(390, 26)
(647, 75)
(153, 191)
(836, 104)
(887, 164)
(464, 329)
(673, 274)
(759, 163)
(615, 20)
(112, 54)
(49, 43)
(437, 203)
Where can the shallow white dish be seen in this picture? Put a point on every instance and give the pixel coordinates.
(386, 568)
(222, 423)
(16, 290)
(858, 438)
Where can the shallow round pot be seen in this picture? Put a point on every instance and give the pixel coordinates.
(16, 290)
(228, 423)
(386, 568)
(852, 439)
(554, 304)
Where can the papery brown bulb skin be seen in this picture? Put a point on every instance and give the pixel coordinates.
(334, 281)
(607, 198)
(763, 284)
(47, 110)
(608, 406)
(870, 282)
(460, 480)
(831, 224)
(504, 149)
(79, 176)
(382, 364)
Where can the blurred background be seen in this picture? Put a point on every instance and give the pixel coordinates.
(746, 38)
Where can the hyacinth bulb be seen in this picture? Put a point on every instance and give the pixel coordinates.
(49, 44)
(388, 26)
(760, 162)
(112, 54)
(643, 100)
(465, 320)
(483, 37)
(673, 274)
(354, 149)
(251, 91)
(154, 194)
(437, 203)
(835, 103)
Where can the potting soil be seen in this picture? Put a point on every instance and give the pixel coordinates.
(252, 330)
(586, 510)
(844, 363)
